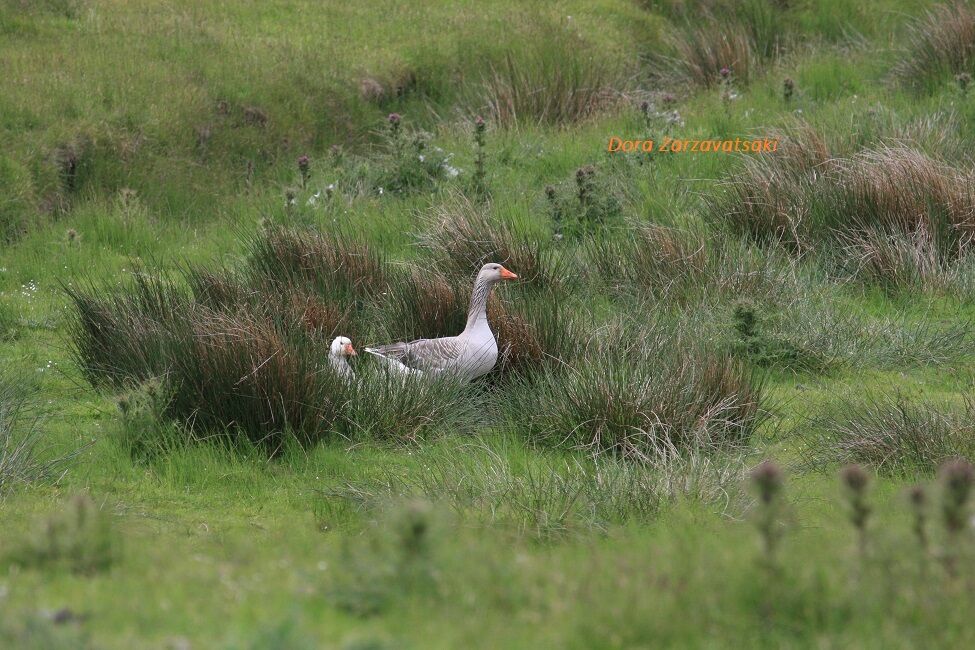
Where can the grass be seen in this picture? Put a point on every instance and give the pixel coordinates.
(892, 433)
(199, 198)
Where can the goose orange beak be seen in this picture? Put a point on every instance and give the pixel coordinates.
(507, 275)
(349, 350)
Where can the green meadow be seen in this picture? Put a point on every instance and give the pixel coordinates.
(733, 403)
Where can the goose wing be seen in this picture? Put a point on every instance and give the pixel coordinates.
(427, 355)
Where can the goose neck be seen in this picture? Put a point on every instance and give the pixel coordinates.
(477, 312)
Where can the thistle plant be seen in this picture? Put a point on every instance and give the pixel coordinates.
(788, 89)
(647, 112)
(728, 93)
(290, 199)
(855, 481)
(964, 80)
(919, 506)
(394, 120)
(480, 187)
(304, 169)
(957, 477)
(553, 202)
(585, 185)
(767, 481)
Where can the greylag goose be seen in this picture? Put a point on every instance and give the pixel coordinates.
(397, 368)
(338, 356)
(470, 354)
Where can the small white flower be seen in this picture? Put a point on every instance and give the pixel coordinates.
(421, 157)
(380, 191)
(453, 172)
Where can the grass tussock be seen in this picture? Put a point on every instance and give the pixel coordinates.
(700, 52)
(461, 236)
(556, 79)
(125, 336)
(336, 265)
(893, 434)
(20, 461)
(245, 370)
(670, 264)
(539, 496)
(710, 36)
(643, 401)
(939, 43)
(889, 214)
(896, 260)
(78, 538)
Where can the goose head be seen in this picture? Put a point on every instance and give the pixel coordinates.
(342, 347)
(493, 273)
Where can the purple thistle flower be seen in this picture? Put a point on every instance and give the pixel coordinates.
(394, 118)
(303, 163)
(725, 72)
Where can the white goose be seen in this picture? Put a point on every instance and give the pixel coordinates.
(470, 354)
(338, 356)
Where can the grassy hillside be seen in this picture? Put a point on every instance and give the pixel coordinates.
(195, 198)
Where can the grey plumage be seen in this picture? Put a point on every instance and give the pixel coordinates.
(470, 354)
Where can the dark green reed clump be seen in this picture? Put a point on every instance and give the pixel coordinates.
(711, 36)
(461, 237)
(893, 434)
(655, 398)
(940, 43)
(339, 266)
(125, 335)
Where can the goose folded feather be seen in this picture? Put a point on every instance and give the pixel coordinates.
(468, 355)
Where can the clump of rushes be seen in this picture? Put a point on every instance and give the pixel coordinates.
(855, 481)
(939, 43)
(957, 477)
(919, 507)
(304, 168)
(788, 89)
(767, 480)
(480, 127)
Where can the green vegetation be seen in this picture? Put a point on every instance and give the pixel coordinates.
(732, 407)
